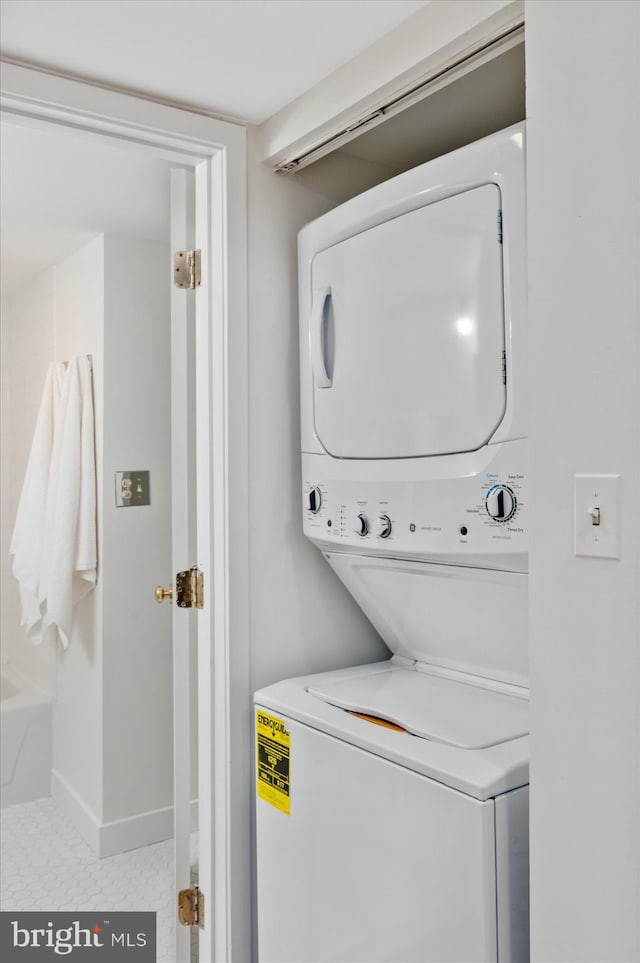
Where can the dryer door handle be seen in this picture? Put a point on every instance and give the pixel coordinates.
(317, 348)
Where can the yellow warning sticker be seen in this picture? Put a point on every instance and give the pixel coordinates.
(273, 751)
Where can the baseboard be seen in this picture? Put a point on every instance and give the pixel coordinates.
(141, 830)
(120, 835)
(81, 815)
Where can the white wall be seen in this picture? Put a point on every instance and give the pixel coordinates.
(137, 640)
(584, 254)
(77, 746)
(114, 681)
(27, 347)
(113, 712)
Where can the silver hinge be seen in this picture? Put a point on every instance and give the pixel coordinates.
(504, 367)
(190, 589)
(191, 907)
(187, 272)
(500, 227)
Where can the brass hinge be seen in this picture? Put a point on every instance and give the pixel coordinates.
(190, 589)
(191, 907)
(187, 272)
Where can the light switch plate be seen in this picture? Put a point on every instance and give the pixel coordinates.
(132, 489)
(597, 492)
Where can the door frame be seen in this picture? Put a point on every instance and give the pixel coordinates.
(217, 151)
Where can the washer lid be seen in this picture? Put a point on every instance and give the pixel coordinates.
(434, 708)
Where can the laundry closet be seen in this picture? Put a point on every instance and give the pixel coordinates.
(582, 174)
(370, 423)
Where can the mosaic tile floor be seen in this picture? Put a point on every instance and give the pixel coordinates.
(46, 865)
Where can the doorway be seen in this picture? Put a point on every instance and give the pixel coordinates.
(86, 249)
(131, 361)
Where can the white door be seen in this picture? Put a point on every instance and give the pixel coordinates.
(210, 680)
(183, 545)
(203, 673)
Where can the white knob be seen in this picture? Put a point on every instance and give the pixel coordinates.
(501, 503)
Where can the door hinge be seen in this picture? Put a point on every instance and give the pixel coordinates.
(190, 589)
(187, 272)
(499, 227)
(191, 907)
(504, 367)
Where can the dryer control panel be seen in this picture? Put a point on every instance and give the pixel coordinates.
(476, 519)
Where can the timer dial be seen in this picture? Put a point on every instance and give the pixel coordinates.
(501, 503)
(361, 525)
(384, 526)
(314, 500)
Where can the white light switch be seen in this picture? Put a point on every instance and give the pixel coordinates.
(597, 511)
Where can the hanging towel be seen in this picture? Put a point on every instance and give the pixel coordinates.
(27, 540)
(69, 558)
(54, 540)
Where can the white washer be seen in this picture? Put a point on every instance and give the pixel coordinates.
(392, 818)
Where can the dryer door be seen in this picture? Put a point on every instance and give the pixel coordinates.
(407, 333)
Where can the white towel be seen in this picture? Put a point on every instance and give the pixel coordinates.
(26, 543)
(67, 518)
(69, 560)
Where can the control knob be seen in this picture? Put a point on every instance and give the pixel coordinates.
(314, 500)
(501, 503)
(361, 525)
(384, 526)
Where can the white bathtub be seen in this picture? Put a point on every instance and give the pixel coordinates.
(26, 719)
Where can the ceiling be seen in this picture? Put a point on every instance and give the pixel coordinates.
(242, 59)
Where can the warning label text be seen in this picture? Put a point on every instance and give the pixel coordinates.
(273, 750)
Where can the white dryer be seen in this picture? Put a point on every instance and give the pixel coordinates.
(392, 811)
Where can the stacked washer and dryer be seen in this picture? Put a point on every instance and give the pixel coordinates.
(392, 818)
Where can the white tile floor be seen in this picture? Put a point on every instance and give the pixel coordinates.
(46, 865)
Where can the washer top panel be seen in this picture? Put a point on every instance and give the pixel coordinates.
(410, 320)
(481, 773)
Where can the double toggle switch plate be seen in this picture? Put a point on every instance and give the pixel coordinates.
(597, 500)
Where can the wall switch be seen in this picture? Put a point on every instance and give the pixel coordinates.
(597, 502)
(132, 489)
